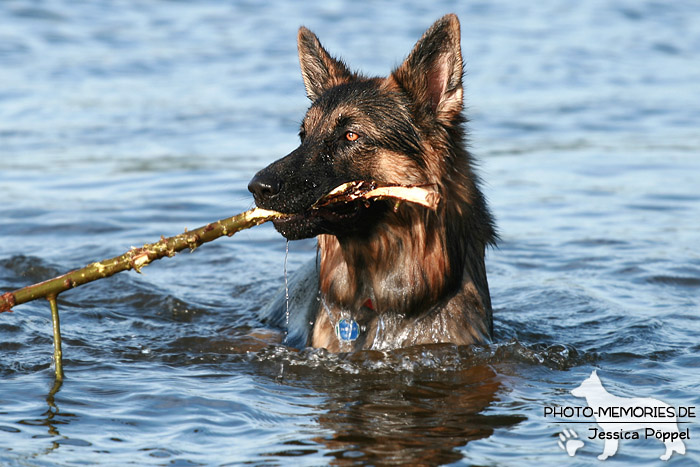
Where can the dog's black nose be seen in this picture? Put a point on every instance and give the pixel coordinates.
(263, 186)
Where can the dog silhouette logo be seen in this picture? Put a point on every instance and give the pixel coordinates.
(623, 418)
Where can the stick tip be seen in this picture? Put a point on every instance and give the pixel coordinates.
(7, 301)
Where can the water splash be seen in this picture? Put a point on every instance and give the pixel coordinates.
(431, 357)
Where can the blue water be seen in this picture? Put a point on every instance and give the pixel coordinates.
(124, 121)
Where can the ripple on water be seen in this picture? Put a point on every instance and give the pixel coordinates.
(679, 281)
(122, 121)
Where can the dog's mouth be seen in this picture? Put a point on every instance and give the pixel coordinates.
(329, 219)
(351, 206)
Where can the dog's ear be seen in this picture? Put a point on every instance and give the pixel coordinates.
(432, 73)
(319, 70)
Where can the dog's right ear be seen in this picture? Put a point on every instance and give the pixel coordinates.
(319, 70)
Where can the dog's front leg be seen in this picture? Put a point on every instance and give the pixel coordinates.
(609, 449)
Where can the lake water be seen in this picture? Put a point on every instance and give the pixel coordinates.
(124, 121)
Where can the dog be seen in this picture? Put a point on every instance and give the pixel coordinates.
(635, 413)
(386, 276)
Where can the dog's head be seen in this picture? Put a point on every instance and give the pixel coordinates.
(359, 128)
(588, 387)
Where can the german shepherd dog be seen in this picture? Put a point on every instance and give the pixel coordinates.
(386, 276)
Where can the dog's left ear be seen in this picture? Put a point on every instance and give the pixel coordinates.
(432, 73)
(319, 70)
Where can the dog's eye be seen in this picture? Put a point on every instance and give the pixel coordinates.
(351, 136)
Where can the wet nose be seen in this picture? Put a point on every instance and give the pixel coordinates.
(263, 186)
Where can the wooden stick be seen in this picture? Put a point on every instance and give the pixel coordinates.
(137, 258)
(351, 191)
(57, 352)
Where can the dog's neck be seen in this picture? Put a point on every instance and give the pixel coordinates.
(402, 265)
(595, 394)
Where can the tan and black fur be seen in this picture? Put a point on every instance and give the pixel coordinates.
(409, 275)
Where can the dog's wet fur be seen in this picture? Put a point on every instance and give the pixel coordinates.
(407, 275)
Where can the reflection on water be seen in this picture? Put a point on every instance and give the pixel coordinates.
(373, 413)
(432, 418)
(121, 122)
(51, 419)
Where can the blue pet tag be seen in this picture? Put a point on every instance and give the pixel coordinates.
(347, 329)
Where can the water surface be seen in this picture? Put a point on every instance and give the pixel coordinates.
(124, 121)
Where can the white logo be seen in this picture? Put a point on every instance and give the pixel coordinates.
(569, 442)
(623, 417)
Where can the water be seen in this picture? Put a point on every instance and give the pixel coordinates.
(124, 121)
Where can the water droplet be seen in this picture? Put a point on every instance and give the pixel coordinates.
(286, 288)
